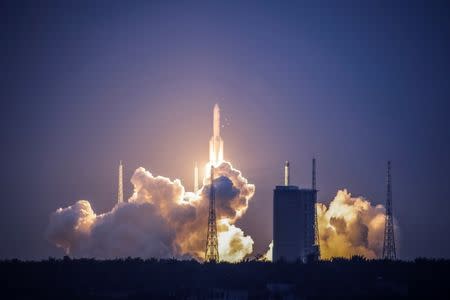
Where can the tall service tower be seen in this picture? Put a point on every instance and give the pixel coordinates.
(212, 242)
(216, 142)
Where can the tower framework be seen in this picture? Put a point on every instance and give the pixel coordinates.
(212, 243)
(389, 240)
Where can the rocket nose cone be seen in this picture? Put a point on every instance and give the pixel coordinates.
(216, 107)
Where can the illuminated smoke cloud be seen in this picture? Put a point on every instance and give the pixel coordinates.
(159, 220)
(70, 226)
(268, 256)
(350, 226)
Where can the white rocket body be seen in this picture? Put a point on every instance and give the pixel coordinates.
(216, 142)
(120, 184)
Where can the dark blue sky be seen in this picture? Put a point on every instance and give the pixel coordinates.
(84, 85)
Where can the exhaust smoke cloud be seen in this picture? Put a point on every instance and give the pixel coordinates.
(159, 220)
(350, 226)
(162, 220)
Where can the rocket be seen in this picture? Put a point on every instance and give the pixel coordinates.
(216, 142)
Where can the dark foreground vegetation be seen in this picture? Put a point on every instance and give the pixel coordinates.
(172, 279)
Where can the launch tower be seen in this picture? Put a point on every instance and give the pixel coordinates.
(212, 242)
(389, 240)
(316, 223)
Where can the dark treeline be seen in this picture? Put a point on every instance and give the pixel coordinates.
(172, 279)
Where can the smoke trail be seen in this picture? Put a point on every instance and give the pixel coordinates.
(159, 220)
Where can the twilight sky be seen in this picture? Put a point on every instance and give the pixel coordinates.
(84, 85)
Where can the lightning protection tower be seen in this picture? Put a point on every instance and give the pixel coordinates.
(212, 243)
(389, 240)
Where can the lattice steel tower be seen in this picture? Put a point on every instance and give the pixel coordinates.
(316, 223)
(212, 243)
(389, 240)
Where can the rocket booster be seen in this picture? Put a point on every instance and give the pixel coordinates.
(216, 142)
(195, 178)
(216, 121)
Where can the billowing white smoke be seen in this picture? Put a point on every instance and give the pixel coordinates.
(160, 220)
(268, 256)
(348, 226)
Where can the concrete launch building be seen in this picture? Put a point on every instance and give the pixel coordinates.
(293, 222)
